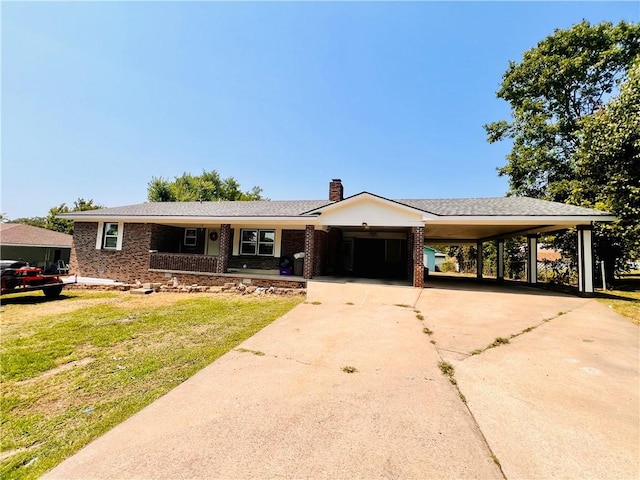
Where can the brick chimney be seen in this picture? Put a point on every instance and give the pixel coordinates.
(336, 192)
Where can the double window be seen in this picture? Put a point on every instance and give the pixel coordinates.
(190, 237)
(110, 238)
(257, 242)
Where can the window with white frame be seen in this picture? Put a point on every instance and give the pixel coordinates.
(110, 237)
(257, 242)
(190, 237)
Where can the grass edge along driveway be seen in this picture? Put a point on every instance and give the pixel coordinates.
(68, 377)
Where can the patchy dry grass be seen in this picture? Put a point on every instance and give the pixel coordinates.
(73, 368)
(626, 303)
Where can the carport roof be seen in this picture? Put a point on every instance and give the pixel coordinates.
(499, 206)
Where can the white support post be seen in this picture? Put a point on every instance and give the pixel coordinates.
(500, 259)
(479, 260)
(585, 259)
(532, 259)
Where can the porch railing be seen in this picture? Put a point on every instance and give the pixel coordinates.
(184, 262)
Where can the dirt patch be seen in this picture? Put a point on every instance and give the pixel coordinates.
(10, 453)
(62, 368)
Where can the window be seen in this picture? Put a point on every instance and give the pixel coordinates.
(109, 236)
(257, 242)
(110, 239)
(190, 237)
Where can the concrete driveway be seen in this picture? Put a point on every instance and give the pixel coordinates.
(557, 401)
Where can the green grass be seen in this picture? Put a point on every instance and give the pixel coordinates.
(129, 350)
(446, 368)
(498, 341)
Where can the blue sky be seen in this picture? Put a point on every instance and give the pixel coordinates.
(390, 97)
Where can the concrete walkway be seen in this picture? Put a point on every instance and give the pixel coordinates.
(281, 406)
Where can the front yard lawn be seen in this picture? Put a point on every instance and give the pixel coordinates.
(73, 368)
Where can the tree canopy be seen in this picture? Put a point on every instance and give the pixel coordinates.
(608, 169)
(559, 94)
(50, 222)
(206, 187)
(66, 226)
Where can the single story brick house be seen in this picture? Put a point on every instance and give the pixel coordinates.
(366, 235)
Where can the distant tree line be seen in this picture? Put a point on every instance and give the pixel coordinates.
(186, 188)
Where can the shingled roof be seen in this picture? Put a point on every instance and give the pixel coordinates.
(261, 208)
(26, 235)
(500, 206)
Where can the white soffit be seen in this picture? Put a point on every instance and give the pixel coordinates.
(370, 210)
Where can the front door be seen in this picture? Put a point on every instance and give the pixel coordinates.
(213, 241)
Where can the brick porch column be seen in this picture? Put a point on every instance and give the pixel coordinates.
(309, 243)
(225, 248)
(418, 256)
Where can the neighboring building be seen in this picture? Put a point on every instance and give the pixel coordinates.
(548, 255)
(433, 259)
(38, 246)
(364, 235)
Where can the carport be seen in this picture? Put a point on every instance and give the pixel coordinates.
(360, 229)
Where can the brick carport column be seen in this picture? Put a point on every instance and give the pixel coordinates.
(309, 242)
(225, 248)
(418, 255)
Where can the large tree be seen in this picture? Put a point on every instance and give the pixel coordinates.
(608, 170)
(206, 187)
(567, 78)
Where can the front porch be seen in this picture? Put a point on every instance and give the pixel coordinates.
(203, 269)
(377, 252)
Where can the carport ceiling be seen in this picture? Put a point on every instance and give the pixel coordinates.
(474, 232)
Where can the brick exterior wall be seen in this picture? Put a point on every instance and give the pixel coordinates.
(183, 262)
(320, 252)
(336, 191)
(166, 239)
(418, 247)
(126, 265)
(251, 261)
(207, 280)
(292, 242)
(309, 244)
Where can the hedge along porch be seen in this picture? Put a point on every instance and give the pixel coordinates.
(364, 235)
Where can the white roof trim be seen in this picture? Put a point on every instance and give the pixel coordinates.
(519, 219)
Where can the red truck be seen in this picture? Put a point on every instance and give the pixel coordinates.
(18, 276)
